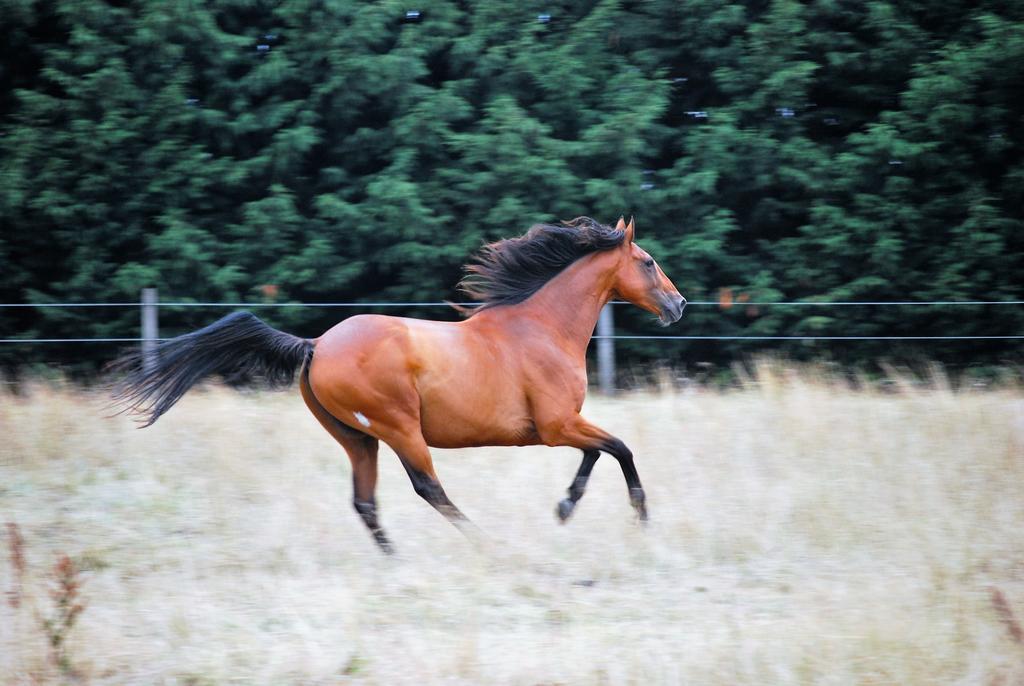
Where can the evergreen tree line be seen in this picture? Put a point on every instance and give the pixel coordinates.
(326, 150)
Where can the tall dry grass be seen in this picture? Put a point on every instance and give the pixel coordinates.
(802, 533)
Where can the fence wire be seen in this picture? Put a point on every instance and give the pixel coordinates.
(625, 337)
(617, 337)
(778, 303)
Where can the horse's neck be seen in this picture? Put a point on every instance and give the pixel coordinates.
(570, 303)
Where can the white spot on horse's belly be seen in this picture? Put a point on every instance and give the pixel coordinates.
(361, 418)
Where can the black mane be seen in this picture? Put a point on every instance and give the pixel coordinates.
(511, 270)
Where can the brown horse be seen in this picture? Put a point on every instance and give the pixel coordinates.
(513, 372)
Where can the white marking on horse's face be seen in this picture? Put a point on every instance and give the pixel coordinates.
(361, 418)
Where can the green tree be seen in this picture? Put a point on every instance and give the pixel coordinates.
(320, 151)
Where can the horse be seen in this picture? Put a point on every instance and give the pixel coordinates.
(512, 372)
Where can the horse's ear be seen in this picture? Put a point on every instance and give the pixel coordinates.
(630, 231)
(621, 225)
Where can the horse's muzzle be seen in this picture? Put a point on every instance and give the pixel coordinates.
(671, 309)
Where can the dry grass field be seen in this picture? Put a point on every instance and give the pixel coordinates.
(802, 533)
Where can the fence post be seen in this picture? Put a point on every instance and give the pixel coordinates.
(606, 350)
(149, 328)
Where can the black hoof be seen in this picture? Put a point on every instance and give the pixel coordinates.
(384, 543)
(641, 510)
(639, 502)
(565, 509)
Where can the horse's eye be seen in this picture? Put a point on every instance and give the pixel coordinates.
(649, 262)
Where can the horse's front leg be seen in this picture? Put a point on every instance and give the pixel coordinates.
(577, 432)
(578, 486)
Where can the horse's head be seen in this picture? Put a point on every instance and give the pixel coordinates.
(639, 279)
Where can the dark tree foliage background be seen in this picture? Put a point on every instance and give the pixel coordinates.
(319, 150)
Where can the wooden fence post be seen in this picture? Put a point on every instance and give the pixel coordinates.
(150, 332)
(606, 350)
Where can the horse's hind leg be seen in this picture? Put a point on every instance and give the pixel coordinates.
(579, 484)
(362, 452)
(415, 457)
(364, 483)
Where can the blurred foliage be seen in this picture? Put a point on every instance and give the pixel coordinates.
(321, 150)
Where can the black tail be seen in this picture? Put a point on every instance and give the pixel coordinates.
(239, 347)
